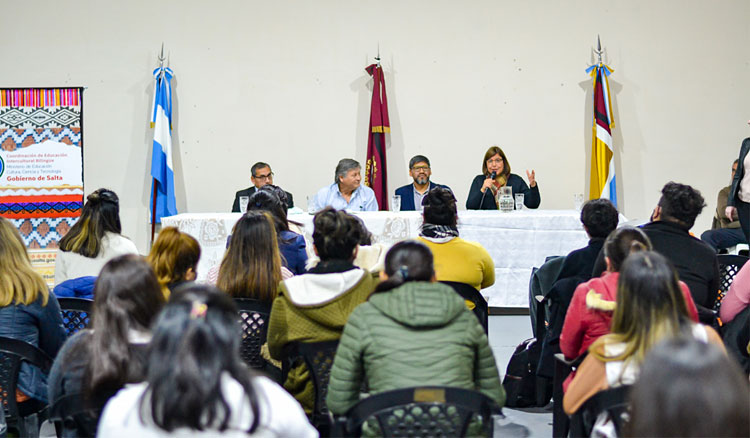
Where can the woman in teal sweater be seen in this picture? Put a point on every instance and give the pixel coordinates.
(415, 332)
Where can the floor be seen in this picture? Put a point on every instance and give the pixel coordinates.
(506, 332)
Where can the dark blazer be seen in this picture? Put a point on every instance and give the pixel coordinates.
(249, 192)
(739, 174)
(516, 183)
(407, 195)
(695, 262)
(580, 263)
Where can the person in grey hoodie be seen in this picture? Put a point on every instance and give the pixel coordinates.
(411, 332)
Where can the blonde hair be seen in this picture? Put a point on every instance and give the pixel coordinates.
(650, 307)
(251, 267)
(172, 254)
(19, 283)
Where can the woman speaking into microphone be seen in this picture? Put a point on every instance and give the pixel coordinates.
(496, 174)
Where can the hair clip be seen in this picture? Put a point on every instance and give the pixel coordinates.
(199, 310)
(404, 272)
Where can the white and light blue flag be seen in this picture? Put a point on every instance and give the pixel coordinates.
(162, 169)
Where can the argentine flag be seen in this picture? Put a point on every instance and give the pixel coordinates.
(162, 169)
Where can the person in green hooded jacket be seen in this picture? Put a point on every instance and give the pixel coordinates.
(411, 332)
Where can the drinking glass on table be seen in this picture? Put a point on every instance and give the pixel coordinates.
(396, 203)
(578, 201)
(244, 200)
(519, 201)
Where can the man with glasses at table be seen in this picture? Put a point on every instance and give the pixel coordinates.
(412, 194)
(260, 175)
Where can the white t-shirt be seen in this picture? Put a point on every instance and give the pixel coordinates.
(73, 265)
(281, 414)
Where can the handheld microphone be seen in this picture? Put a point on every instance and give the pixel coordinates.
(492, 176)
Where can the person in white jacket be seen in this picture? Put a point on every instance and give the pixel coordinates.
(94, 240)
(197, 384)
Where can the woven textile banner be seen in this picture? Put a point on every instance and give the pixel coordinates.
(41, 162)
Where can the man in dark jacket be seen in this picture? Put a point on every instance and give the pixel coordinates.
(260, 175)
(412, 194)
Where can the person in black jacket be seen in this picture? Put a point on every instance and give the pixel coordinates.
(738, 204)
(260, 175)
(496, 163)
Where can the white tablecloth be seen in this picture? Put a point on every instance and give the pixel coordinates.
(517, 241)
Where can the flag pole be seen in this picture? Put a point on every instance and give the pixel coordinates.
(161, 59)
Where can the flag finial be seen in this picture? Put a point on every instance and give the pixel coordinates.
(377, 58)
(598, 49)
(161, 56)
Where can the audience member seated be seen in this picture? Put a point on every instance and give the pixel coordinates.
(260, 175)
(413, 194)
(725, 232)
(314, 307)
(197, 384)
(346, 192)
(251, 267)
(291, 244)
(689, 388)
(174, 258)
(446, 344)
(738, 297)
(694, 260)
(370, 256)
(97, 362)
(28, 312)
(496, 174)
(599, 218)
(649, 308)
(94, 240)
(455, 259)
(589, 315)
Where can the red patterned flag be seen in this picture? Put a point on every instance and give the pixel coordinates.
(376, 174)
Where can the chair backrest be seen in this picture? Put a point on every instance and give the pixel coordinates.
(318, 357)
(613, 401)
(729, 266)
(12, 353)
(76, 314)
(254, 315)
(69, 413)
(424, 412)
(468, 292)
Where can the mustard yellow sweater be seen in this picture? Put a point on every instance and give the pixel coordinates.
(463, 261)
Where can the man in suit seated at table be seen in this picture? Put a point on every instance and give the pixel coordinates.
(260, 175)
(412, 194)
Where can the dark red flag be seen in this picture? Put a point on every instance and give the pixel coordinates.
(376, 173)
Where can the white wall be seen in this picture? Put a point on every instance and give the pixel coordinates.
(284, 82)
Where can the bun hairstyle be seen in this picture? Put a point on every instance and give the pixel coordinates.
(623, 242)
(407, 261)
(440, 207)
(100, 214)
(267, 200)
(195, 343)
(336, 234)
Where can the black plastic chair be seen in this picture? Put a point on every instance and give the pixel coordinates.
(613, 401)
(729, 266)
(12, 353)
(76, 314)
(318, 357)
(423, 412)
(468, 292)
(254, 316)
(563, 368)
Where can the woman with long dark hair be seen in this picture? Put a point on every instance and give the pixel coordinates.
(197, 384)
(456, 259)
(28, 312)
(251, 267)
(495, 175)
(94, 240)
(446, 343)
(649, 308)
(314, 307)
(291, 244)
(98, 361)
